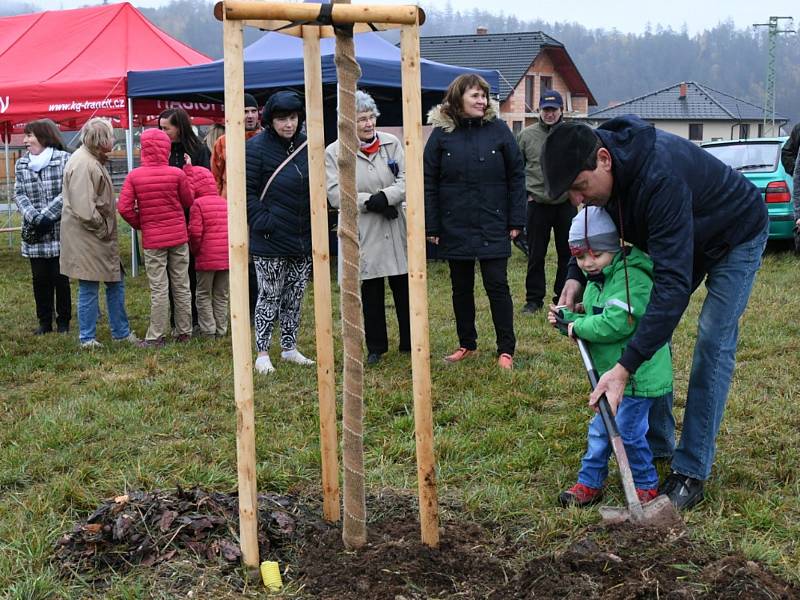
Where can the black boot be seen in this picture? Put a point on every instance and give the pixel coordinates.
(684, 491)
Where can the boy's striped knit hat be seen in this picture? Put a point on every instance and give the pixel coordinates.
(593, 229)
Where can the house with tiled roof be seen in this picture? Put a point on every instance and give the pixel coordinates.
(696, 112)
(528, 62)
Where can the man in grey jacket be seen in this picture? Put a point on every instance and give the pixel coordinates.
(544, 213)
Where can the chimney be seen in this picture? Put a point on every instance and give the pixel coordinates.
(682, 94)
(482, 30)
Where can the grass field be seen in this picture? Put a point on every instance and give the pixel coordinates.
(78, 427)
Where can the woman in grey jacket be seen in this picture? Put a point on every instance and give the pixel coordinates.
(38, 177)
(380, 182)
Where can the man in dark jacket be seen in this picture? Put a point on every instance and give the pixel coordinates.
(698, 219)
(544, 213)
(789, 150)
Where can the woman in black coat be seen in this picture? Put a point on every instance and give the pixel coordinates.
(279, 217)
(474, 207)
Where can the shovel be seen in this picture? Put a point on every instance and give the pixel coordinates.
(659, 512)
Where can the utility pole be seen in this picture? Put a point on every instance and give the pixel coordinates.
(769, 88)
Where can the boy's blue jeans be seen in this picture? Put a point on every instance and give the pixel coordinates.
(632, 424)
(729, 284)
(88, 309)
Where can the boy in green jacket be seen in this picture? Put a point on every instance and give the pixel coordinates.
(619, 281)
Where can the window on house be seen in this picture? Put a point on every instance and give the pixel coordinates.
(545, 82)
(744, 131)
(530, 100)
(696, 132)
(516, 127)
(761, 130)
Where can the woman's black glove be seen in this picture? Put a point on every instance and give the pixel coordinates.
(390, 212)
(44, 225)
(377, 203)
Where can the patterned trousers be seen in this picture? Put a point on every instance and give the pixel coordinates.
(281, 285)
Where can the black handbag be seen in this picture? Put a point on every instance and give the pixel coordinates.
(29, 234)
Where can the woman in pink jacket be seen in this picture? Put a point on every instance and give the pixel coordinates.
(152, 200)
(208, 242)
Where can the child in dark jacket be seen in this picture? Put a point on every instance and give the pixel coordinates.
(153, 199)
(617, 292)
(208, 242)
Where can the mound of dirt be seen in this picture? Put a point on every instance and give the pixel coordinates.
(473, 561)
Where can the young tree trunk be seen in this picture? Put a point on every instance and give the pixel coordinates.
(354, 526)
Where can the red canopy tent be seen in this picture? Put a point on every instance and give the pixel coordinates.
(71, 65)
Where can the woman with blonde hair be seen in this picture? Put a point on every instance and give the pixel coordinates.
(89, 252)
(38, 176)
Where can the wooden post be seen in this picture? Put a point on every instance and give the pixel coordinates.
(322, 274)
(418, 285)
(239, 301)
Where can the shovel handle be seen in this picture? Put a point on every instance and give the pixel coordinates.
(628, 486)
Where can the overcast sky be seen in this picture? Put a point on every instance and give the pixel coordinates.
(624, 15)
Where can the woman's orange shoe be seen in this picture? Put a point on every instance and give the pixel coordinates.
(459, 355)
(505, 361)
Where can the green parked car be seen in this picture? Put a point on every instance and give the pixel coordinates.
(759, 160)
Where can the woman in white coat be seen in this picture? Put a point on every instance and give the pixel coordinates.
(380, 182)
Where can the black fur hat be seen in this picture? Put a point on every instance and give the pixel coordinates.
(285, 101)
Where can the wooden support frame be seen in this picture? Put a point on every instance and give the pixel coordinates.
(234, 14)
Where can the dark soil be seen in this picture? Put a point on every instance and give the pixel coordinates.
(151, 530)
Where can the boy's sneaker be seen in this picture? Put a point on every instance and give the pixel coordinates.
(580, 495)
(294, 356)
(131, 338)
(683, 491)
(91, 345)
(646, 496)
(264, 365)
(505, 361)
(182, 338)
(459, 355)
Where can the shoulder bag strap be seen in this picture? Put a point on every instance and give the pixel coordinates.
(280, 166)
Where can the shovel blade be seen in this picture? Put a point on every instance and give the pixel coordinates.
(658, 513)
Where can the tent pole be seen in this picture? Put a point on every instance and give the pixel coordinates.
(320, 251)
(8, 180)
(129, 156)
(232, 42)
(418, 286)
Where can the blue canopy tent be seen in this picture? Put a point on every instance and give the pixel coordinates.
(276, 61)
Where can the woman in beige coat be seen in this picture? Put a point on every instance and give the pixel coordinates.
(89, 250)
(380, 182)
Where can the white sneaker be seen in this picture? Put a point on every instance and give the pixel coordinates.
(131, 338)
(264, 365)
(294, 356)
(91, 345)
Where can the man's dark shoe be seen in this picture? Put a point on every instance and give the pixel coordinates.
(531, 307)
(43, 329)
(373, 358)
(63, 328)
(684, 491)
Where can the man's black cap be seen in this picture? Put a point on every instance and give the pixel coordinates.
(564, 155)
(250, 100)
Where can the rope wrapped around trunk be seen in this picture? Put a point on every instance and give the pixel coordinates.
(354, 526)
